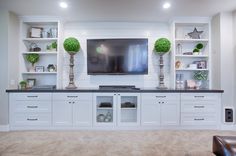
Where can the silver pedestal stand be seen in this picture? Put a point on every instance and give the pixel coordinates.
(161, 76)
(71, 75)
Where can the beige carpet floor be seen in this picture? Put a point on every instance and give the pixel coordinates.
(108, 143)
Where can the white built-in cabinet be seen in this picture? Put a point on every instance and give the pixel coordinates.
(160, 109)
(122, 109)
(72, 109)
(113, 110)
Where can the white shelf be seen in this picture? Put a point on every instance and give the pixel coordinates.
(40, 39)
(190, 56)
(191, 40)
(191, 69)
(40, 73)
(42, 52)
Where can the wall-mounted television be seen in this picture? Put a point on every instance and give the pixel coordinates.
(117, 56)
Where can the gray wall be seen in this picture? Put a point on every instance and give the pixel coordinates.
(3, 66)
(9, 51)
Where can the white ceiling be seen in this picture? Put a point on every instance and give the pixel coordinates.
(118, 10)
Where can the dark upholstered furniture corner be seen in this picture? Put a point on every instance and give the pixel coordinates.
(224, 145)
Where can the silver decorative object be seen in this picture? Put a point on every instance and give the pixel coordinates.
(161, 76)
(71, 75)
(195, 34)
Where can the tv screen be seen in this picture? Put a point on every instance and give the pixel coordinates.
(117, 56)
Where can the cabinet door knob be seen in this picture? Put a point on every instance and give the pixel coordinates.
(69, 102)
(163, 102)
(73, 102)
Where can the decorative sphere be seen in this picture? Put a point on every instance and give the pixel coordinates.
(71, 45)
(162, 45)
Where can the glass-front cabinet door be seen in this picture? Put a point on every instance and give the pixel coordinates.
(104, 109)
(128, 109)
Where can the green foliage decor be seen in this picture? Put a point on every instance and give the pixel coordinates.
(200, 75)
(162, 45)
(32, 58)
(71, 45)
(198, 47)
(196, 50)
(23, 83)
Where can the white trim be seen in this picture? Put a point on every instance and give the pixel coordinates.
(4, 128)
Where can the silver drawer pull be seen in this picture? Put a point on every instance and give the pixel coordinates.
(32, 106)
(199, 106)
(199, 119)
(32, 119)
(199, 96)
(161, 96)
(72, 96)
(32, 96)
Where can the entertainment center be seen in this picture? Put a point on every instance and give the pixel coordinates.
(115, 109)
(126, 60)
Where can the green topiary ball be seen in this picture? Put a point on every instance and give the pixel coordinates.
(199, 46)
(71, 45)
(162, 45)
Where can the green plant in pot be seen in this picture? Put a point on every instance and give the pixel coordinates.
(198, 48)
(72, 46)
(161, 47)
(23, 84)
(201, 77)
(32, 58)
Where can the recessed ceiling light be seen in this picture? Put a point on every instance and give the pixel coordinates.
(166, 5)
(63, 4)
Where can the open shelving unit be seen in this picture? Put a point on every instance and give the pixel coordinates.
(50, 27)
(184, 63)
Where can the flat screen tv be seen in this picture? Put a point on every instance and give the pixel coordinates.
(117, 56)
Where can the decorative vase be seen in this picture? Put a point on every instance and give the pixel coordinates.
(161, 76)
(71, 74)
(32, 68)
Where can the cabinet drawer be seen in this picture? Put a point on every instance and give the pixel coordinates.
(198, 119)
(72, 96)
(32, 96)
(160, 96)
(32, 106)
(32, 119)
(199, 96)
(195, 106)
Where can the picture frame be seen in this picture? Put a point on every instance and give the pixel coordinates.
(31, 83)
(39, 69)
(36, 32)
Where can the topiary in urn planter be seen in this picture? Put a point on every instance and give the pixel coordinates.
(161, 47)
(71, 46)
(32, 58)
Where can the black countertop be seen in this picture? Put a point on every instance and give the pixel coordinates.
(144, 90)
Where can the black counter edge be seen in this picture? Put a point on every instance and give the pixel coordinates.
(112, 91)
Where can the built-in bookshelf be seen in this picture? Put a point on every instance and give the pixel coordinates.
(39, 36)
(187, 65)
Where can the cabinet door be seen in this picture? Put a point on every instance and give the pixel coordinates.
(150, 111)
(104, 109)
(128, 109)
(82, 113)
(62, 113)
(170, 112)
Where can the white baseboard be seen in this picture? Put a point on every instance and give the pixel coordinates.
(4, 128)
